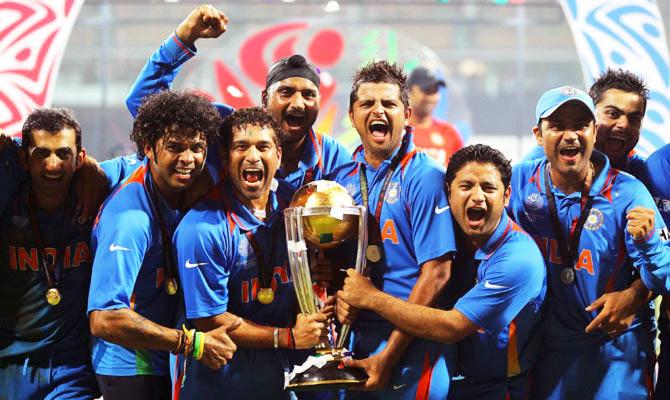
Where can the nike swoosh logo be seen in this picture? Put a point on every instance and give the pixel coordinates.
(113, 247)
(189, 264)
(490, 285)
(396, 387)
(439, 210)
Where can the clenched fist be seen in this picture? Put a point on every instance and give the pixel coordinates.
(203, 22)
(640, 222)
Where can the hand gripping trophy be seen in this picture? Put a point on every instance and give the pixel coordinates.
(323, 214)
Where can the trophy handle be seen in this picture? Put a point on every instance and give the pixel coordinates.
(360, 267)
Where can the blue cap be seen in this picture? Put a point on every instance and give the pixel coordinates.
(552, 99)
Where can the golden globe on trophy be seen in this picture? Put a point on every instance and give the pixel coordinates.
(323, 215)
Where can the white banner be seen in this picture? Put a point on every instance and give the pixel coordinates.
(33, 36)
(626, 34)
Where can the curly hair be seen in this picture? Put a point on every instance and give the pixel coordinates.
(380, 72)
(254, 116)
(480, 153)
(52, 120)
(619, 79)
(167, 112)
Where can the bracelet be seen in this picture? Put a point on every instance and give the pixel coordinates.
(180, 343)
(199, 346)
(275, 337)
(189, 340)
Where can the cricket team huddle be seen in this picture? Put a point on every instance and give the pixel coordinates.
(165, 274)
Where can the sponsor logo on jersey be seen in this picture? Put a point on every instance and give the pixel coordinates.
(439, 210)
(594, 220)
(113, 247)
(392, 193)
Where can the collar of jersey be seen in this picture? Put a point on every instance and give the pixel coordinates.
(311, 156)
(597, 186)
(359, 153)
(242, 216)
(496, 239)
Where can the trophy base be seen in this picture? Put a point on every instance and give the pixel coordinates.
(324, 376)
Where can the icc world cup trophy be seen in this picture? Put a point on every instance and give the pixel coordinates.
(323, 215)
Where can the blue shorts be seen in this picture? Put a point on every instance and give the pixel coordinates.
(421, 373)
(513, 388)
(47, 378)
(620, 368)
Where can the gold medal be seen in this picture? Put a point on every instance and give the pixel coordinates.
(373, 253)
(171, 286)
(53, 296)
(266, 295)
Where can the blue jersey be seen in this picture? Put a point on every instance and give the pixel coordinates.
(119, 168)
(128, 271)
(11, 172)
(28, 324)
(320, 156)
(607, 255)
(658, 172)
(219, 271)
(504, 303)
(415, 227)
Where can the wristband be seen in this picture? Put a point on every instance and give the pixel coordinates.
(199, 345)
(275, 337)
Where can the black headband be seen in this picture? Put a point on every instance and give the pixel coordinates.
(290, 67)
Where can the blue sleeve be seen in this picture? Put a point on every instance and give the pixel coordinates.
(657, 171)
(117, 169)
(159, 71)
(334, 154)
(651, 256)
(121, 239)
(204, 268)
(535, 153)
(12, 174)
(428, 207)
(512, 279)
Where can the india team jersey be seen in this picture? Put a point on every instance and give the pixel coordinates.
(416, 227)
(118, 168)
(28, 324)
(220, 272)
(607, 255)
(321, 154)
(658, 172)
(504, 303)
(129, 272)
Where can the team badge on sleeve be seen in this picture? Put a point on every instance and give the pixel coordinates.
(534, 202)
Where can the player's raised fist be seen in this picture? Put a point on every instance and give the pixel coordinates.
(640, 222)
(219, 347)
(205, 21)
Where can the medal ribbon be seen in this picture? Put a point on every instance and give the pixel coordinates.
(380, 200)
(166, 236)
(56, 266)
(569, 254)
(264, 274)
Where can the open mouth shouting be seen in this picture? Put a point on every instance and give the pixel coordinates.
(378, 130)
(476, 217)
(569, 153)
(252, 178)
(295, 120)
